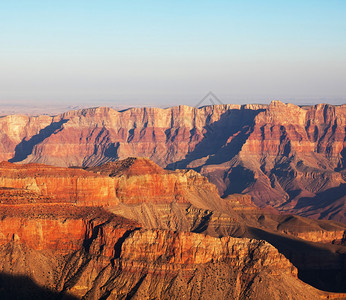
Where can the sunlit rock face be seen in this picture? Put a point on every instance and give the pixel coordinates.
(130, 228)
(57, 185)
(284, 156)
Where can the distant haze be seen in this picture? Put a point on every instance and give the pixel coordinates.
(165, 53)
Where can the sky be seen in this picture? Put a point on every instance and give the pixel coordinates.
(165, 53)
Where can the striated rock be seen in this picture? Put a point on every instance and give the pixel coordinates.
(39, 244)
(139, 189)
(85, 251)
(186, 201)
(241, 202)
(281, 163)
(171, 249)
(59, 228)
(80, 248)
(320, 236)
(183, 217)
(62, 236)
(59, 185)
(19, 129)
(139, 180)
(285, 156)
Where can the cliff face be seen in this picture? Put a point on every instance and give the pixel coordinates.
(89, 252)
(60, 185)
(294, 154)
(178, 235)
(37, 242)
(93, 254)
(139, 189)
(44, 234)
(131, 181)
(139, 180)
(284, 156)
(116, 259)
(185, 249)
(16, 129)
(310, 129)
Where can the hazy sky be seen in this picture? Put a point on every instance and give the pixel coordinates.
(172, 52)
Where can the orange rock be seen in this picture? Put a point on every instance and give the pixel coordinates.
(61, 185)
(281, 153)
(186, 248)
(63, 236)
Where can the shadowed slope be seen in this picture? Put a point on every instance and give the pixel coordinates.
(90, 252)
(322, 266)
(23, 287)
(25, 148)
(278, 153)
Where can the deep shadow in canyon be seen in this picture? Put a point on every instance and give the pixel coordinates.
(234, 123)
(318, 265)
(16, 287)
(25, 148)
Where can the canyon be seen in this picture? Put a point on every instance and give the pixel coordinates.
(287, 157)
(222, 201)
(131, 229)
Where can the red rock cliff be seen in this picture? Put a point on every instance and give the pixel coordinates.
(60, 185)
(285, 156)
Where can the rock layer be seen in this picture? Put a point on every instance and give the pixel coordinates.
(105, 260)
(285, 156)
(60, 185)
(73, 248)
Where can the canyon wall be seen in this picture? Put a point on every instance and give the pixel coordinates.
(284, 156)
(59, 185)
(133, 229)
(108, 257)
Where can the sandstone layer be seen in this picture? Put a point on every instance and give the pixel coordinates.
(138, 189)
(285, 156)
(68, 239)
(108, 264)
(56, 185)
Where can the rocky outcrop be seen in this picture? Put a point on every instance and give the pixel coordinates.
(283, 152)
(62, 236)
(172, 249)
(89, 252)
(116, 260)
(139, 189)
(320, 236)
(55, 227)
(283, 164)
(38, 244)
(131, 181)
(56, 185)
(183, 217)
(285, 156)
(181, 236)
(139, 180)
(19, 129)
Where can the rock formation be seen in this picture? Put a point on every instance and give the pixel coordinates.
(98, 255)
(132, 229)
(284, 156)
(58, 185)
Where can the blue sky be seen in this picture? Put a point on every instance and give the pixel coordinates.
(172, 52)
